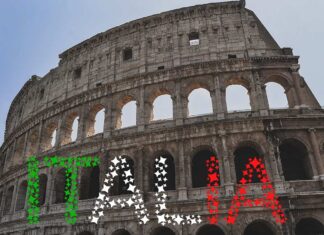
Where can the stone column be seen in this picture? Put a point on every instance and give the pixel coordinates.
(39, 138)
(140, 110)
(218, 99)
(142, 53)
(317, 154)
(108, 125)
(2, 200)
(82, 123)
(261, 100)
(48, 186)
(14, 197)
(24, 151)
(296, 78)
(59, 132)
(182, 173)
(228, 181)
(178, 105)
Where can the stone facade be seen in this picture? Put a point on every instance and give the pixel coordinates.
(139, 61)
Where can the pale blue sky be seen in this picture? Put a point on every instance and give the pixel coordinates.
(34, 32)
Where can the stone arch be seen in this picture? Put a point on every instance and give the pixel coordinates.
(70, 128)
(162, 231)
(119, 187)
(85, 233)
(121, 232)
(59, 187)
(287, 84)
(276, 95)
(96, 119)
(19, 150)
(90, 185)
(31, 147)
(162, 107)
(196, 98)
(49, 136)
(42, 188)
(198, 165)
(21, 197)
(242, 153)
(209, 229)
(259, 227)
(309, 226)
(8, 200)
(196, 91)
(128, 102)
(295, 161)
(171, 174)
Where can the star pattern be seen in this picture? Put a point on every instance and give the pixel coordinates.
(161, 196)
(103, 201)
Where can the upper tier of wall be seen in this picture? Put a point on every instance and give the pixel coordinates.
(156, 41)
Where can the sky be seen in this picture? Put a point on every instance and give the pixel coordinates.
(33, 33)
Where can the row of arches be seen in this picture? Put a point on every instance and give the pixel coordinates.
(306, 226)
(199, 103)
(293, 157)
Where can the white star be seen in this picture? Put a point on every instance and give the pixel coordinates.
(113, 174)
(162, 206)
(178, 219)
(123, 160)
(130, 202)
(162, 160)
(115, 161)
(112, 203)
(160, 189)
(101, 213)
(105, 188)
(101, 197)
(131, 188)
(128, 173)
(161, 219)
(145, 219)
(94, 220)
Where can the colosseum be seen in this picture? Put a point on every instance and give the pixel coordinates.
(209, 47)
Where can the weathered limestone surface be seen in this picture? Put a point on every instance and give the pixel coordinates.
(234, 48)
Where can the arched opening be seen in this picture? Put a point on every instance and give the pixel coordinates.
(90, 186)
(53, 138)
(241, 158)
(309, 226)
(294, 160)
(21, 197)
(49, 136)
(96, 120)
(60, 186)
(237, 98)
(85, 233)
(70, 129)
(19, 150)
(162, 108)
(121, 232)
(42, 188)
(127, 115)
(200, 102)
(162, 231)
(31, 148)
(8, 200)
(170, 173)
(210, 230)
(276, 95)
(199, 169)
(257, 228)
(119, 187)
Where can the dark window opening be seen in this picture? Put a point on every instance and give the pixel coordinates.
(232, 56)
(41, 94)
(98, 84)
(294, 160)
(77, 73)
(194, 38)
(21, 199)
(163, 231)
(170, 175)
(127, 54)
(60, 187)
(161, 67)
(257, 228)
(309, 226)
(121, 232)
(242, 156)
(210, 230)
(119, 187)
(8, 200)
(42, 189)
(199, 169)
(90, 186)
